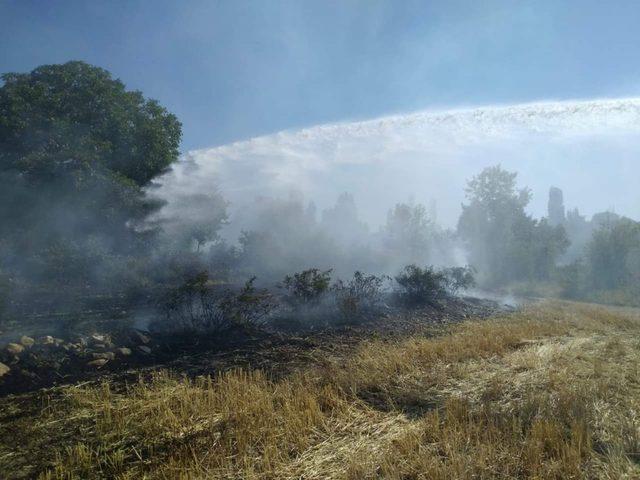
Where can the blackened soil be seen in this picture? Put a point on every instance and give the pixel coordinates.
(59, 361)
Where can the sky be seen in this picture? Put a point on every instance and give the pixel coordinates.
(233, 70)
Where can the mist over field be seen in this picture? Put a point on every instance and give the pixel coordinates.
(588, 148)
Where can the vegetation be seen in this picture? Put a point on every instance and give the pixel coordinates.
(76, 151)
(543, 393)
(200, 305)
(459, 278)
(548, 392)
(506, 245)
(308, 286)
(361, 295)
(420, 286)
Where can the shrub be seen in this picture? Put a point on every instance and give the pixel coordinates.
(362, 294)
(198, 305)
(308, 286)
(459, 278)
(249, 307)
(191, 305)
(421, 286)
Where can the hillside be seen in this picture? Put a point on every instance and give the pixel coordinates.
(550, 391)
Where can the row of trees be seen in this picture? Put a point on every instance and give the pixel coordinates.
(570, 255)
(505, 243)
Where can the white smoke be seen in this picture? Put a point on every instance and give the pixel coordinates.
(589, 148)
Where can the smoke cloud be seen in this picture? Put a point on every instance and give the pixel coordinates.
(589, 148)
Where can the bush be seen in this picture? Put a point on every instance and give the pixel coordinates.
(362, 294)
(199, 305)
(459, 278)
(421, 286)
(249, 307)
(191, 306)
(308, 286)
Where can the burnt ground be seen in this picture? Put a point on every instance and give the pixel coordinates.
(32, 385)
(125, 354)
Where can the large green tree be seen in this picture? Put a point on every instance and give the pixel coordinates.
(76, 151)
(73, 116)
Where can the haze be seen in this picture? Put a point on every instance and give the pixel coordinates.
(588, 148)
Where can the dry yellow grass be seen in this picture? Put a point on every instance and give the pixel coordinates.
(550, 392)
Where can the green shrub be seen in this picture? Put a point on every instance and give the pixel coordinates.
(421, 286)
(308, 286)
(459, 278)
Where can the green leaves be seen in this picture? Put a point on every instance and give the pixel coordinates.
(78, 113)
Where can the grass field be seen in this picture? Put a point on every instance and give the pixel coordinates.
(550, 392)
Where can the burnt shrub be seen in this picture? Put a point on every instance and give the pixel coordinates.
(199, 304)
(418, 286)
(459, 278)
(308, 287)
(248, 308)
(361, 295)
(192, 305)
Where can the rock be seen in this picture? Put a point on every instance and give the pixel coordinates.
(144, 349)
(99, 346)
(27, 341)
(15, 348)
(142, 337)
(99, 338)
(74, 347)
(58, 341)
(46, 340)
(124, 351)
(4, 369)
(104, 355)
(100, 362)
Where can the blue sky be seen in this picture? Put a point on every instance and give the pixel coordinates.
(236, 69)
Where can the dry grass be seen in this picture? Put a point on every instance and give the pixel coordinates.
(550, 392)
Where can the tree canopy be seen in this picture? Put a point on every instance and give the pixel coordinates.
(75, 116)
(76, 151)
(504, 241)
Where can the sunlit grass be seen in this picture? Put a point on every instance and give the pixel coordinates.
(550, 392)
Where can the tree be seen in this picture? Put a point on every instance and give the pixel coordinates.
(555, 208)
(408, 232)
(74, 116)
(76, 151)
(613, 255)
(342, 221)
(505, 243)
(207, 215)
(489, 222)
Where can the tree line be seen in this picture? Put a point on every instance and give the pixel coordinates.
(79, 154)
